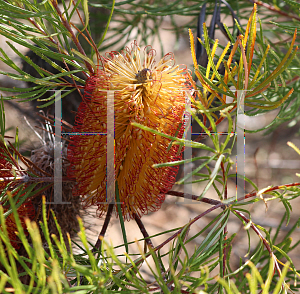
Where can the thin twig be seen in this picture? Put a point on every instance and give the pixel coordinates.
(143, 231)
(225, 227)
(50, 118)
(274, 9)
(195, 197)
(98, 244)
(148, 241)
(216, 206)
(30, 165)
(266, 243)
(190, 223)
(235, 200)
(42, 31)
(73, 37)
(249, 195)
(97, 247)
(294, 79)
(89, 35)
(220, 119)
(15, 163)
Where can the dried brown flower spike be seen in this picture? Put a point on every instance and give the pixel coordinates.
(66, 214)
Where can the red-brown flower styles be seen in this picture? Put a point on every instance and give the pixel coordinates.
(150, 93)
(26, 210)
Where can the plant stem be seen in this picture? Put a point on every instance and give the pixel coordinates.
(225, 227)
(223, 205)
(274, 9)
(98, 244)
(194, 197)
(143, 231)
(73, 37)
(266, 243)
(147, 240)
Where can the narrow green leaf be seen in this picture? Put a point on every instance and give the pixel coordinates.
(107, 25)
(121, 218)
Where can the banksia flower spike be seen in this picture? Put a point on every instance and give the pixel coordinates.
(67, 212)
(146, 92)
(26, 210)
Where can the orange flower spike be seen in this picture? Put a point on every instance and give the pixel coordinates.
(146, 92)
(26, 210)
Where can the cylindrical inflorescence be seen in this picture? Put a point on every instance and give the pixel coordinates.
(66, 212)
(26, 210)
(152, 94)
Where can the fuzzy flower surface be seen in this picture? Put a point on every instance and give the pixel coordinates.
(147, 92)
(67, 212)
(26, 210)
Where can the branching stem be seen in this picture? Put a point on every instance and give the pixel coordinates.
(274, 9)
(98, 244)
(73, 37)
(266, 243)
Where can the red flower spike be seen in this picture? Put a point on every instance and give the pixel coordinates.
(146, 92)
(26, 210)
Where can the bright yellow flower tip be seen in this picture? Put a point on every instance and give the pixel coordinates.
(146, 92)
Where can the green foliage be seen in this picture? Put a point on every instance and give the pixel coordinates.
(54, 269)
(253, 64)
(44, 26)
